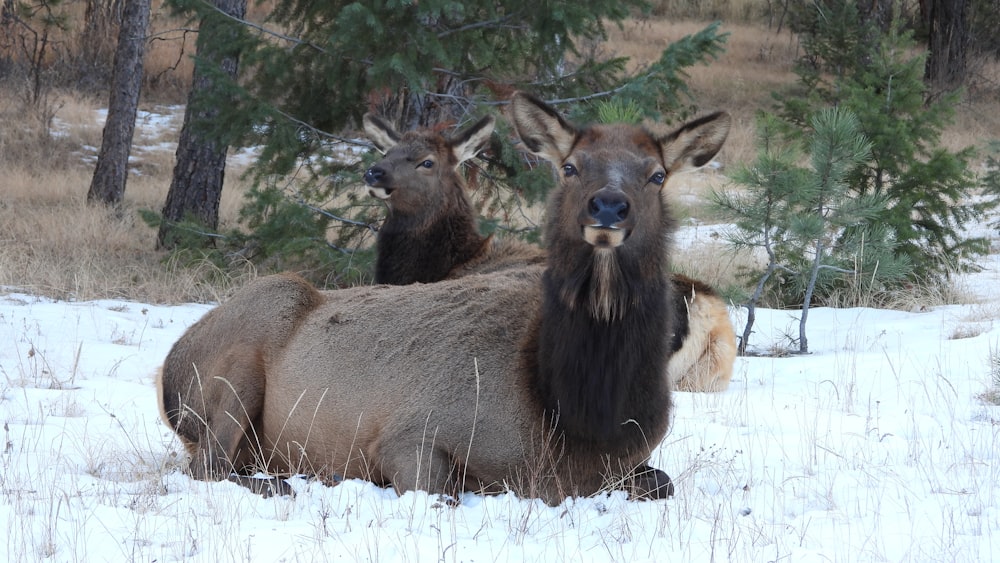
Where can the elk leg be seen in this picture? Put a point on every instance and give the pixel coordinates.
(420, 467)
(226, 405)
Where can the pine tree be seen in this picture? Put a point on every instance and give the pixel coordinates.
(196, 186)
(827, 207)
(434, 62)
(799, 216)
(927, 188)
(760, 209)
(948, 42)
(991, 179)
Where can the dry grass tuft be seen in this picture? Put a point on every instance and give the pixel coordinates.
(708, 10)
(714, 263)
(71, 250)
(991, 395)
(924, 296)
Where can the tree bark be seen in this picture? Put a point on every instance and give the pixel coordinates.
(876, 19)
(196, 188)
(111, 172)
(948, 41)
(877, 12)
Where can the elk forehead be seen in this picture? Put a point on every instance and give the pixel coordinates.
(620, 153)
(618, 138)
(417, 146)
(614, 170)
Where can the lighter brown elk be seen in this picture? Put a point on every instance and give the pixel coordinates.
(538, 380)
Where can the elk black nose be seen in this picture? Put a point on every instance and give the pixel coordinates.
(608, 209)
(374, 175)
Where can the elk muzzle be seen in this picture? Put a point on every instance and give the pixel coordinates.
(374, 176)
(607, 219)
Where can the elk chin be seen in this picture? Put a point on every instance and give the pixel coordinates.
(379, 192)
(604, 237)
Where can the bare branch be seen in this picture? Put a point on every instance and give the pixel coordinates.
(265, 31)
(491, 23)
(321, 133)
(326, 213)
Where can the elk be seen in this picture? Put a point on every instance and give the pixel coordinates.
(430, 234)
(704, 342)
(544, 380)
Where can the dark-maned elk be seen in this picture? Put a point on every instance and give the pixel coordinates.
(546, 381)
(430, 234)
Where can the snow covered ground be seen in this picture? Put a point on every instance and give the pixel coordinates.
(873, 448)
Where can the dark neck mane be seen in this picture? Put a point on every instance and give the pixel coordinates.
(409, 252)
(603, 375)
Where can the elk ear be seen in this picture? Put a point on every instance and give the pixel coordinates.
(380, 132)
(542, 130)
(696, 142)
(467, 143)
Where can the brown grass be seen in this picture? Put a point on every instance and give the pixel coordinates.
(756, 62)
(708, 10)
(71, 250)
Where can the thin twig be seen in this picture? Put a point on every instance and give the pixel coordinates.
(322, 133)
(326, 213)
(267, 31)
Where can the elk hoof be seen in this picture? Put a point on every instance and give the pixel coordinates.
(446, 501)
(651, 483)
(265, 487)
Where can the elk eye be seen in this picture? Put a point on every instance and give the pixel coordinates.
(569, 170)
(427, 164)
(658, 178)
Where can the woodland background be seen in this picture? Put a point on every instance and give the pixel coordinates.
(193, 225)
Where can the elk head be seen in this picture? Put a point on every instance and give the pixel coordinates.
(607, 224)
(419, 173)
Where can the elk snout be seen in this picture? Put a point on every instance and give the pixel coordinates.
(608, 209)
(606, 219)
(374, 175)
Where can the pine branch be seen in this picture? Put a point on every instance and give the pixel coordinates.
(836, 269)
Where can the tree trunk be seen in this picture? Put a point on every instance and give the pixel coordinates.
(948, 41)
(196, 187)
(877, 12)
(111, 172)
(876, 18)
(93, 60)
